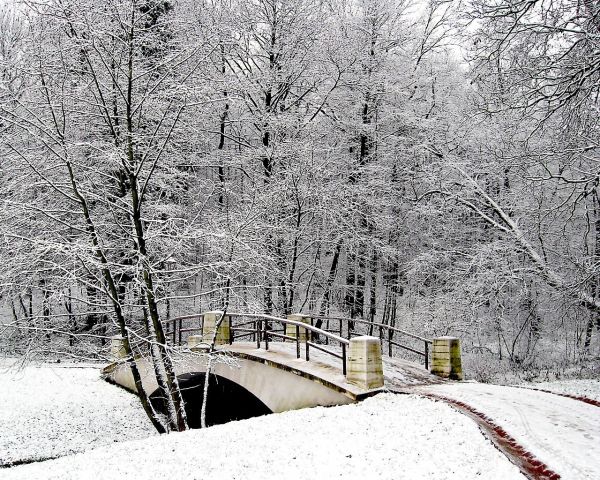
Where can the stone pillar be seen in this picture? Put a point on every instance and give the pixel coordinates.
(446, 358)
(196, 343)
(290, 330)
(209, 324)
(364, 366)
(117, 348)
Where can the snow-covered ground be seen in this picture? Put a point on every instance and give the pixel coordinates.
(50, 411)
(578, 388)
(561, 432)
(385, 437)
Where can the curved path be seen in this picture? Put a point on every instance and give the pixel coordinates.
(559, 435)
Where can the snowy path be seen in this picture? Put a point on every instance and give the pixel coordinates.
(561, 432)
(385, 437)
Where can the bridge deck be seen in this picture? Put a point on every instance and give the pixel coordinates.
(399, 374)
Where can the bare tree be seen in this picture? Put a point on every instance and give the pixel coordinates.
(95, 129)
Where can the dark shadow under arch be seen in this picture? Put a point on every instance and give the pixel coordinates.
(227, 401)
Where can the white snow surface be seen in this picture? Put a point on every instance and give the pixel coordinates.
(385, 437)
(561, 432)
(579, 388)
(49, 411)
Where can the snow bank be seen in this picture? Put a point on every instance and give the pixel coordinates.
(385, 437)
(578, 388)
(53, 411)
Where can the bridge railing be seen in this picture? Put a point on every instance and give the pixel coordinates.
(175, 328)
(261, 331)
(346, 327)
(259, 328)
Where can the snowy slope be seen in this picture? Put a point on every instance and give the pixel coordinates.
(51, 411)
(385, 437)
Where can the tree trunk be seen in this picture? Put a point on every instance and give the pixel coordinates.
(324, 308)
(113, 294)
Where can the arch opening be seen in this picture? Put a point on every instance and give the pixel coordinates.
(227, 401)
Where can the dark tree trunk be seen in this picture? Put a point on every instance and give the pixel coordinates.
(355, 281)
(594, 318)
(221, 146)
(325, 301)
(72, 320)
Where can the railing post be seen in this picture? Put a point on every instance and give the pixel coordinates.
(291, 330)
(179, 331)
(196, 343)
(306, 355)
(266, 333)
(174, 331)
(446, 358)
(344, 358)
(350, 329)
(365, 366)
(389, 343)
(426, 355)
(297, 341)
(117, 348)
(258, 325)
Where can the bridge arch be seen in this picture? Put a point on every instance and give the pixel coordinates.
(228, 401)
(277, 384)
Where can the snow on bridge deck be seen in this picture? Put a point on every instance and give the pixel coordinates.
(327, 370)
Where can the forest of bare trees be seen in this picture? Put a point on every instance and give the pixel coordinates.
(428, 164)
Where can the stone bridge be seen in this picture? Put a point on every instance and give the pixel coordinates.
(262, 364)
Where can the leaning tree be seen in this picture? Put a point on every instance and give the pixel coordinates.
(93, 147)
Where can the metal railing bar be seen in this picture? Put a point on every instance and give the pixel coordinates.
(293, 322)
(243, 335)
(279, 335)
(195, 329)
(278, 330)
(318, 347)
(377, 324)
(184, 317)
(249, 322)
(408, 348)
(236, 329)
